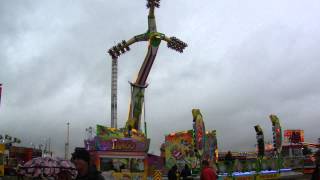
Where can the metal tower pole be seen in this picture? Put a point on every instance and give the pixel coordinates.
(50, 147)
(114, 86)
(66, 152)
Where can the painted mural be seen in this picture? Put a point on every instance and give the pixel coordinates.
(112, 139)
(199, 129)
(211, 146)
(179, 150)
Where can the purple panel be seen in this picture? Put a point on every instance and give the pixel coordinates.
(121, 145)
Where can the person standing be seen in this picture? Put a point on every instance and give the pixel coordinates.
(81, 159)
(229, 162)
(64, 175)
(207, 173)
(186, 172)
(315, 174)
(172, 174)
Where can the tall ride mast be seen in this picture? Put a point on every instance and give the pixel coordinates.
(138, 86)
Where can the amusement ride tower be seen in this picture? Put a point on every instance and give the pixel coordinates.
(137, 88)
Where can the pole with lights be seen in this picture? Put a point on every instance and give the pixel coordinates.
(260, 145)
(8, 140)
(277, 138)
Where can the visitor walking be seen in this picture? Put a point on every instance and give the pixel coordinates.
(172, 174)
(229, 162)
(81, 159)
(315, 174)
(64, 175)
(186, 172)
(207, 173)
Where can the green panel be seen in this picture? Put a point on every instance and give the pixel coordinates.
(155, 41)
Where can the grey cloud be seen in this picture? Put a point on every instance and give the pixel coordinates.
(244, 61)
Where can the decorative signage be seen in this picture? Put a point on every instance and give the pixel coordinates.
(277, 133)
(123, 144)
(260, 140)
(294, 136)
(199, 129)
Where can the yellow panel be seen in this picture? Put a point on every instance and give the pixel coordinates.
(245, 178)
(157, 175)
(129, 175)
(268, 176)
(1, 171)
(2, 148)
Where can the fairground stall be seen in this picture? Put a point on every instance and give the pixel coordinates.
(12, 156)
(191, 146)
(118, 153)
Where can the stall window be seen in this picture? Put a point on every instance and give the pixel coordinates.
(297, 152)
(114, 164)
(137, 165)
(106, 164)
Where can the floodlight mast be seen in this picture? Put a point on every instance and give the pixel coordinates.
(137, 88)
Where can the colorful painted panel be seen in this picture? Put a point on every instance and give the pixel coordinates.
(199, 129)
(277, 133)
(124, 145)
(294, 136)
(211, 146)
(179, 150)
(260, 140)
(154, 163)
(107, 133)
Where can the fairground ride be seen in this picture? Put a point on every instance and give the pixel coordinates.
(139, 85)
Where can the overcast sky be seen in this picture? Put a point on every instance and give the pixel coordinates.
(245, 60)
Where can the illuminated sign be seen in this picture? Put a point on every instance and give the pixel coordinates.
(199, 129)
(199, 134)
(123, 145)
(294, 136)
(277, 134)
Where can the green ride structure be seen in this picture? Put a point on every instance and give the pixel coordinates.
(138, 87)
